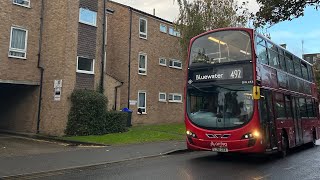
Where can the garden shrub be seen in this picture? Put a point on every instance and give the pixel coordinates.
(89, 116)
(116, 121)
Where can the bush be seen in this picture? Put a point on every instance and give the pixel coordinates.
(116, 122)
(88, 113)
(89, 116)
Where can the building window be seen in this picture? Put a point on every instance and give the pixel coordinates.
(175, 64)
(143, 28)
(162, 62)
(18, 43)
(142, 64)
(177, 33)
(163, 28)
(173, 32)
(142, 101)
(173, 97)
(162, 97)
(87, 17)
(85, 65)
(25, 3)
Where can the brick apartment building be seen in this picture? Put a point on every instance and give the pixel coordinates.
(49, 48)
(143, 52)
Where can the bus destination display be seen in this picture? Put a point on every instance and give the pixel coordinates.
(219, 74)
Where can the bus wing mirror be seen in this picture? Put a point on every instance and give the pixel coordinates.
(256, 92)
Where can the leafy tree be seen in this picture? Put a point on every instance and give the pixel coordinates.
(317, 74)
(274, 11)
(198, 16)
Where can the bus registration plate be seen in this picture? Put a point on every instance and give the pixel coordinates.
(220, 149)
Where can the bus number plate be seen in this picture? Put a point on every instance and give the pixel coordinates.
(220, 149)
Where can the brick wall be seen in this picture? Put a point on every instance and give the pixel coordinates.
(85, 81)
(27, 18)
(59, 52)
(158, 78)
(118, 28)
(87, 45)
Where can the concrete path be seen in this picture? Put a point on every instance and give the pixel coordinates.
(19, 156)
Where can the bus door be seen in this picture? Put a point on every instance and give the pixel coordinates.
(267, 119)
(297, 120)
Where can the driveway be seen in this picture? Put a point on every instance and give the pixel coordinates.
(11, 146)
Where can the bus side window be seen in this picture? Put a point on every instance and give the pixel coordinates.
(304, 71)
(303, 107)
(289, 64)
(273, 55)
(310, 109)
(310, 72)
(261, 50)
(282, 60)
(288, 106)
(279, 106)
(297, 67)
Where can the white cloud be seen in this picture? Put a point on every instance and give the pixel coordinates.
(165, 9)
(168, 9)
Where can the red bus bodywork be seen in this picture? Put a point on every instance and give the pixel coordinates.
(204, 139)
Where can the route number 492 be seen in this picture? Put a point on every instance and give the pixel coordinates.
(235, 74)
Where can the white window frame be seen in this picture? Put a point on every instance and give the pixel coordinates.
(165, 62)
(85, 22)
(173, 61)
(165, 97)
(173, 95)
(15, 49)
(145, 101)
(28, 6)
(84, 71)
(146, 64)
(165, 26)
(143, 33)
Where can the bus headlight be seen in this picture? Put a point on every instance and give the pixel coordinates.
(254, 134)
(191, 134)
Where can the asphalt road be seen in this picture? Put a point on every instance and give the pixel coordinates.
(303, 163)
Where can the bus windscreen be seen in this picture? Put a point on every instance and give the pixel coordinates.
(220, 107)
(221, 47)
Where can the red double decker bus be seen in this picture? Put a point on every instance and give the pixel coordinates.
(244, 93)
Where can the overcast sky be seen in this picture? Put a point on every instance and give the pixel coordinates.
(167, 9)
(290, 32)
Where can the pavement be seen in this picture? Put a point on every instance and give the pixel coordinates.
(20, 155)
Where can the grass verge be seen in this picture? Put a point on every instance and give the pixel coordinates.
(137, 134)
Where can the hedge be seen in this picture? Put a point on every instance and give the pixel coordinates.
(89, 116)
(116, 122)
